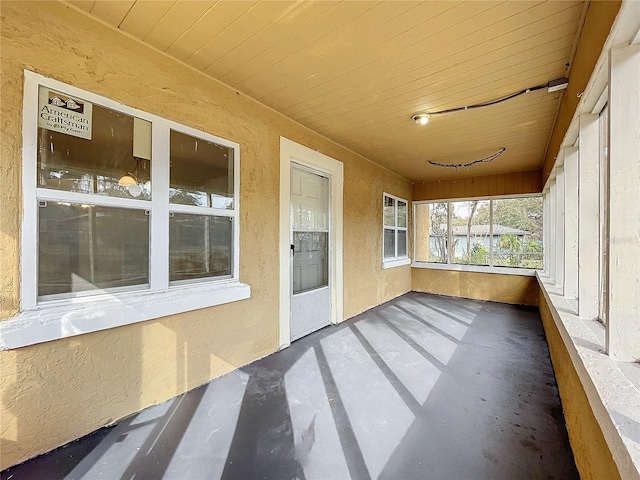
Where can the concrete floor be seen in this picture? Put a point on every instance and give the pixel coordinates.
(422, 387)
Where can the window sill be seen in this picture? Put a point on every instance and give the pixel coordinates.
(613, 388)
(525, 272)
(78, 316)
(395, 262)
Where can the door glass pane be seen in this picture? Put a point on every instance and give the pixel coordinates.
(201, 172)
(310, 200)
(200, 246)
(402, 213)
(310, 261)
(116, 145)
(389, 243)
(389, 212)
(85, 247)
(402, 243)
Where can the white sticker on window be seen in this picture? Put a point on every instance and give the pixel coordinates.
(64, 114)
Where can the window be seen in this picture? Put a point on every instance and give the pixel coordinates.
(394, 231)
(505, 232)
(121, 202)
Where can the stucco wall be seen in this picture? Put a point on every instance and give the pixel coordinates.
(58, 391)
(515, 289)
(592, 455)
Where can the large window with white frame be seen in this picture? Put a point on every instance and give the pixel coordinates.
(120, 200)
(394, 235)
(486, 232)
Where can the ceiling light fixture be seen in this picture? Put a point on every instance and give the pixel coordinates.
(421, 118)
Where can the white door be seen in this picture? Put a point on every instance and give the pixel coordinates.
(310, 241)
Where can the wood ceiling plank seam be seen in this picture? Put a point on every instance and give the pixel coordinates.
(249, 83)
(127, 14)
(164, 16)
(283, 46)
(112, 12)
(460, 62)
(289, 66)
(176, 24)
(208, 26)
(142, 18)
(412, 100)
(285, 13)
(275, 85)
(331, 43)
(409, 102)
(250, 19)
(265, 42)
(546, 65)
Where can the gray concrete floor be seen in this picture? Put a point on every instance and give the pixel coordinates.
(422, 387)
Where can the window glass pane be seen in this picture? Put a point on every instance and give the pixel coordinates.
(201, 172)
(470, 232)
(402, 243)
(310, 200)
(402, 213)
(389, 212)
(200, 246)
(517, 232)
(389, 243)
(310, 261)
(118, 144)
(84, 247)
(432, 221)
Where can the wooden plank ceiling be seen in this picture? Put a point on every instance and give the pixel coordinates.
(355, 71)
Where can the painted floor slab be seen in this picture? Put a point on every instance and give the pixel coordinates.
(422, 387)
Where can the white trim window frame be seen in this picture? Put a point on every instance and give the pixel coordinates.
(119, 306)
(397, 259)
(491, 268)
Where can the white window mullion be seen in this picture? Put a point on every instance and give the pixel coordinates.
(491, 233)
(571, 223)
(560, 228)
(159, 228)
(623, 299)
(588, 217)
(553, 194)
(29, 233)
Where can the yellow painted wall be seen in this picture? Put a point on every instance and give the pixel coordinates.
(55, 392)
(480, 186)
(592, 455)
(515, 289)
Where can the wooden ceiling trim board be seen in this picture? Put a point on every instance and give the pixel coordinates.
(470, 60)
(253, 20)
(179, 19)
(249, 75)
(143, 16)
(296, 19)
(206, 27)
(326, 52)
(112, 12)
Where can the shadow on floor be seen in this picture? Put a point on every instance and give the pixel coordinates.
(422, 387)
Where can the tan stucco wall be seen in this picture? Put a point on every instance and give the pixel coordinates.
(515, 289)
(58, 391)
(592, 455)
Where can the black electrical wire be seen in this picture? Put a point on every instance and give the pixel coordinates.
(486, 104)
(491, 157)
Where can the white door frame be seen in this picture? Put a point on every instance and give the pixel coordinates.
(294, 152)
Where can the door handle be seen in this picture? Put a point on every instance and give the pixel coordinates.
(293, 249)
